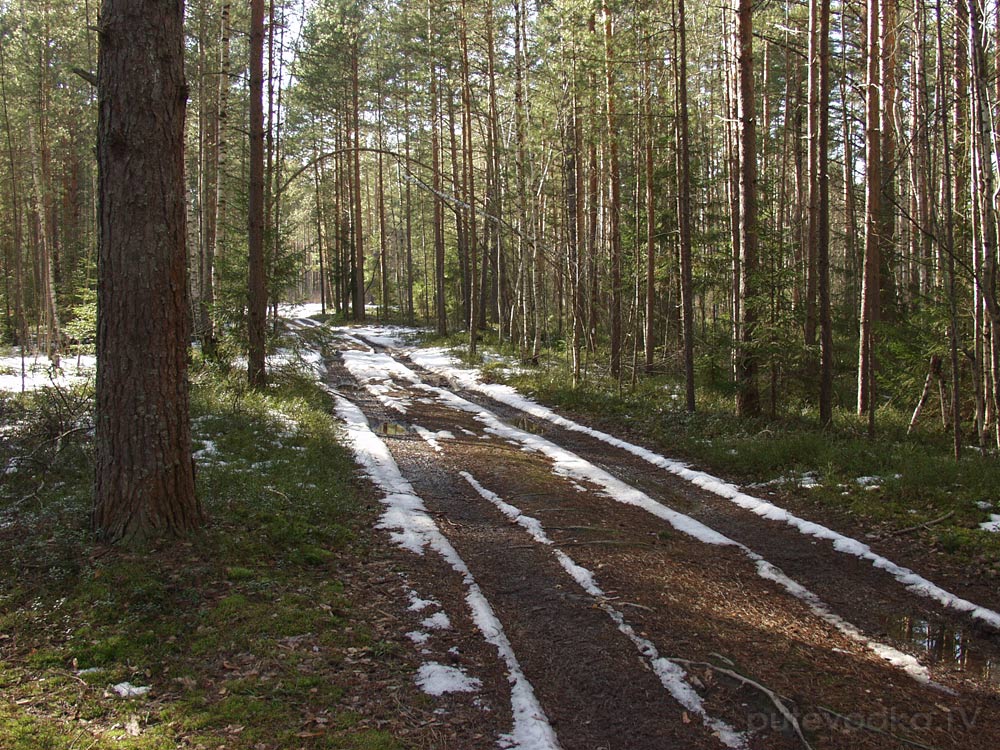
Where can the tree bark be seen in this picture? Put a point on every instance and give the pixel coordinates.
(684, 209)
(614, 205)
(257, 281)
(650, 301)
(823, 219)
(358, 289)
(440, 308)
(747, 393)
(873, 195)
(470, 182)
(144, 470)
(210, 199)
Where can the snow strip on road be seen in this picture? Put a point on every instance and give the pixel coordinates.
(376, 371)
(671, 675)
(568, 464)
(441, 363)
(411, 527)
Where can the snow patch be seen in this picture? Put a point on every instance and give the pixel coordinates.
(433, 438)
(128, 690)
(300, 311)
(437, 621)
(39, 372)
(418, 605)
(208, 449)
(376, 372)
(438, 679)
(992, 525)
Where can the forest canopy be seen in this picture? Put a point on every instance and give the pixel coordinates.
(792, 203)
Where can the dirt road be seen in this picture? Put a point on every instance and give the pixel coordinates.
(606, 602)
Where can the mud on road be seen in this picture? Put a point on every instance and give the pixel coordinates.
(642, 611)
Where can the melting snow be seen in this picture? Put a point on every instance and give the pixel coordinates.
(376, 371)
(438, 679)
(437, 621)
(992, 525)
(39, 372)
(128, 690)
(574, 467)
(438, 361)
(208, 449)
(300, 311)
(417, 604)
(671, 675)
(412, 528)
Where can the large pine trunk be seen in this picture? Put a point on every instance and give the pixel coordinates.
(145, 473)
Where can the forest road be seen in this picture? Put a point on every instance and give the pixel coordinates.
(648, 613)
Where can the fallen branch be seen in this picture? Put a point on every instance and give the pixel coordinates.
(766, 691)
(925, 525)
(578, 528)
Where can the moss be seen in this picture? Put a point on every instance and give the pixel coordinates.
(194, 619)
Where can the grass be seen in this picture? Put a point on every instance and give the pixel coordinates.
(238, 632)
(918, 478)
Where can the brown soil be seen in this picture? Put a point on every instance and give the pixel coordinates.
(693, 601)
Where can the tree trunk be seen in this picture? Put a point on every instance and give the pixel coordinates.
(210, 210)
(984, 245)
(257, 281)
(20, 319)
(949, 244)
(408, 212)
(358, 287)
(747, 393)
(440, 307)
(812, 169)
(823, 220)
(576, 229)
(684, 208)
(888, 302)
(470, 182)
(317, 184)
(221, 150)
(614, 205)
(873, 194)
(650, 344)
(144, 469)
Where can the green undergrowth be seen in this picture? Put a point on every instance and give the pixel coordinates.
(890, 483)
(239, 631)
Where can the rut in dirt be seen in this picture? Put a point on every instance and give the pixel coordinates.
(649, 614)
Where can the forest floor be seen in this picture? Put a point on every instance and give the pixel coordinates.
(506, 576)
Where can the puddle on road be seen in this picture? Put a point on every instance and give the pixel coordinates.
(529, 425)
(392, 429)
(944, 645)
